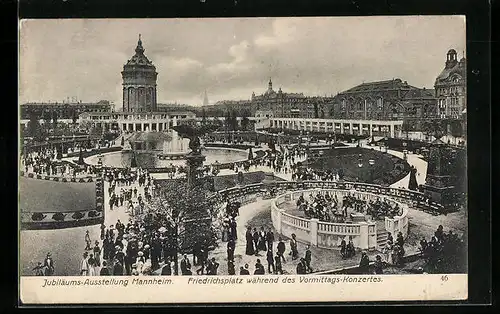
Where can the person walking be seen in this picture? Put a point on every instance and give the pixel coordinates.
(87, 241)
(277, 264)
(281, 249)
(293, 247)
(84, 265)
(307, 259)
(48, 265)
(97, 253)
(270, 261)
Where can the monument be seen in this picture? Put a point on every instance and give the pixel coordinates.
(439, 185)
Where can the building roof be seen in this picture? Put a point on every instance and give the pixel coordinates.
(150, 137)
(407, 91)
(447, 73)
(139, 59)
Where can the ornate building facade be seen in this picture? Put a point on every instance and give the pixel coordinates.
(282, 105)
(384, 100)
(139, 83)
(451, 87)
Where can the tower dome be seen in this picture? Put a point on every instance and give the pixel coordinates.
(139, 82)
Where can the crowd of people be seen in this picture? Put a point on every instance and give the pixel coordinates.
(323, 207)
(44, 162)
(444, 252)
(326, 207)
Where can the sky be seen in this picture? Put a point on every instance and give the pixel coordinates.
(233, 57)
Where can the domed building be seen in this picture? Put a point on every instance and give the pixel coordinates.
(451, 87)
(139, 83)
(139, 112)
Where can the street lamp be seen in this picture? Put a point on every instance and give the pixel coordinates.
(371, 162)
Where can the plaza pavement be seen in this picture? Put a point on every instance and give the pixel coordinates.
(67, 248)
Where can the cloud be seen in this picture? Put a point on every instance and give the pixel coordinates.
(230, 58)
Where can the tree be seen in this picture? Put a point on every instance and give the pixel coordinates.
(203, 116)
(191, 213)
(74, 116)
(244, 123)
(233, 121)
(34, 128)
(54, 119)
(456, 128)
(406, 127)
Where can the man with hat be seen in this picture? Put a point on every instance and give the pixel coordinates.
(186, 266)
(87, 241)
(364, 264)
(48, 265)
(84, 265)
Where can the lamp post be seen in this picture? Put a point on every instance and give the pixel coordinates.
(371, 162)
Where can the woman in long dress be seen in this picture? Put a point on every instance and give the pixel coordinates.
(249, 238)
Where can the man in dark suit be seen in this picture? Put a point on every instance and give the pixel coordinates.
(270, 261)
(104, 270)
(277, 264)
(185, 266)
(307, 259)
(270, 239)
(281, 249)
(118, 268)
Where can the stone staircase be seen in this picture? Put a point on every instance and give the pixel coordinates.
(382, 236)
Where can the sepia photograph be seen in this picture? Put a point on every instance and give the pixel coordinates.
(208, 159)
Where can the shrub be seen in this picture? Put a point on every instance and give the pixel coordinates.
(90, 179)
(93, 214)
(64, 180)
(58, 216)
(56, 179)
(38, 176)
(22, 173)
(47, 178)
(81, 180)
(38, 216)
(30, 175)
(78, 215)
(73, 180)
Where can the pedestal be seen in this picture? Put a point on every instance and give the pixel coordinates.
(194, 162)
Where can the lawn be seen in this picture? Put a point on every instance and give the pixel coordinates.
(386, 170)
(38, 195)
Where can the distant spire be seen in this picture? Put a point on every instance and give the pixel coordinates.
(270, 84)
